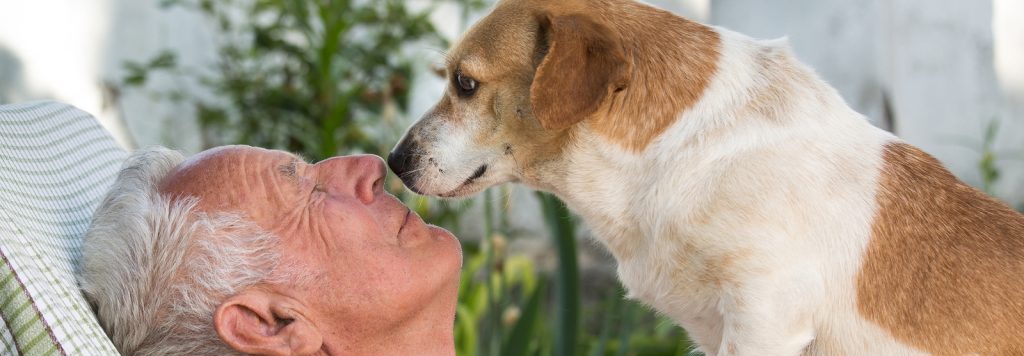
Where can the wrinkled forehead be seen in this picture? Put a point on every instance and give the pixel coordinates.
(213, 176)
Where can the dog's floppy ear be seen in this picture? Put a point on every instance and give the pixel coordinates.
(582, 62)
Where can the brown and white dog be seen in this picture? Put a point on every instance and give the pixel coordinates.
(738, 192)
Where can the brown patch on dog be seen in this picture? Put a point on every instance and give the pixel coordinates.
(944, 270)
(627, 69)
(584, 64)
(674, 60)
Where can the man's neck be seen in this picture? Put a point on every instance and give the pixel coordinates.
(430, 333)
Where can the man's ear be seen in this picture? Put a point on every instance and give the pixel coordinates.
(583, 61)
(257, 322)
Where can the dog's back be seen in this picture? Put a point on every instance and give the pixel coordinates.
(944, 269)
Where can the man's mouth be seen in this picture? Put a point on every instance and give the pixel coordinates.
(405, 221)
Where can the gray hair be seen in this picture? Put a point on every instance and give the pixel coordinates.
(154, 270)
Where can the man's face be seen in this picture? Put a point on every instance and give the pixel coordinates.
(372, 262)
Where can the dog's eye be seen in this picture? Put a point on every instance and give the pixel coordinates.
(466, 85)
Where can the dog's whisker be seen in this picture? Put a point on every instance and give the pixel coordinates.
(508, 199)
(518, 168)
(414, 171)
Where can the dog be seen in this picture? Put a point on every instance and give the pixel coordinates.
(738, 192)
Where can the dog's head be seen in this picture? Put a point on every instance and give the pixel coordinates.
(518, 82)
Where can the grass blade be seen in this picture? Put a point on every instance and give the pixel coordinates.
(519, 340)
(567, 286)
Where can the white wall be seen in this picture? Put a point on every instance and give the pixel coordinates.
(1008, 29)
(837, 38)
(949, 67)
(71, 50)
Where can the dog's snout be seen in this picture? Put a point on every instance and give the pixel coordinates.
(400, 160)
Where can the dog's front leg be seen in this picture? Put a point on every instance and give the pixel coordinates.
(772, 316)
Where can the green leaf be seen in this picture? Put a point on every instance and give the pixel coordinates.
(135, 74)
(626, 329)
(164, 4)
(567, 288)
(207, 6)
(164, 60)
(614, 302)
(523, 332)
(991, 131)
(134, 79)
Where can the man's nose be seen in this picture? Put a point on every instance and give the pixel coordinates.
(362, 175)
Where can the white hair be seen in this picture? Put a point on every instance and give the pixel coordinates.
(154, 270)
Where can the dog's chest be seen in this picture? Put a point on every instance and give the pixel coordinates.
(661, 261)
(675, 278)
(680, 277)
(646, 222)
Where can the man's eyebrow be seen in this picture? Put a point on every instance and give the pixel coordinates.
(289, 169)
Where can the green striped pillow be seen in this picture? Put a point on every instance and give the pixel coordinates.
(56, 164)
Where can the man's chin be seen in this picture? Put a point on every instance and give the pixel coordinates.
(441, 233)
(444, 236)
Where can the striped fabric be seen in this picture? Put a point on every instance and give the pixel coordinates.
(56, 163)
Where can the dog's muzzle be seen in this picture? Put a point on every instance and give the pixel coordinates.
(402, 161)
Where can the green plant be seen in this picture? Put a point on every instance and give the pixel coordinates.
(988, 163)
(563, 231)
(312, 77)
(500, 296)
(507, 307)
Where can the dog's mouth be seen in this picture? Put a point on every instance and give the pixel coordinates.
(462, 189)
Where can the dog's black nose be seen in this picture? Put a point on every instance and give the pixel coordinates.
(401, 160)
(398, 161)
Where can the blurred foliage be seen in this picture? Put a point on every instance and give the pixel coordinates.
(311, 77)
(567, 293)
(990, 159)
(506, 307)
(328, 77)
(987, 164)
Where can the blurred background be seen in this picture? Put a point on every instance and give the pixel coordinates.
(331, 77)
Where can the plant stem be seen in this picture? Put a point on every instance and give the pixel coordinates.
(567, 286)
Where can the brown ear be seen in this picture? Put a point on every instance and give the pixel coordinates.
(583, 64)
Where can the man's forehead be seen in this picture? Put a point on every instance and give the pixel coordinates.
(211, 175)
(204, 163)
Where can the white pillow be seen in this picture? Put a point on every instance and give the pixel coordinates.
(56, 164)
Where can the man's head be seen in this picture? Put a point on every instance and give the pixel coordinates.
(261, 252)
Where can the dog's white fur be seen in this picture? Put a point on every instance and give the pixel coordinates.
(771, 189)
(749, 228)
